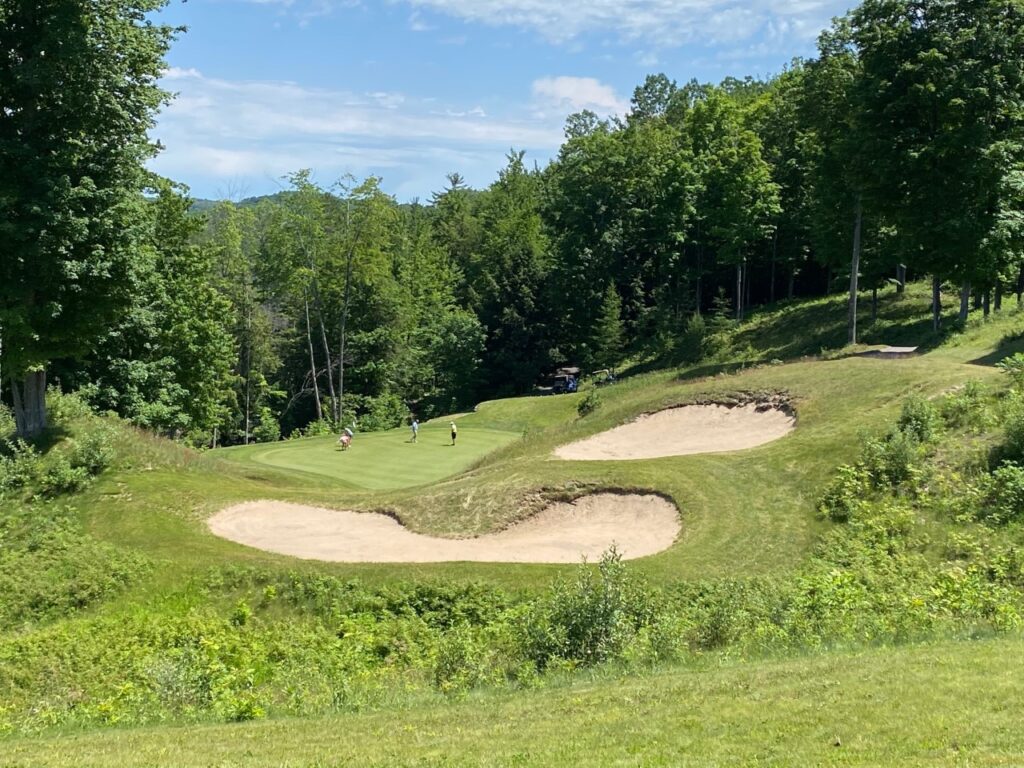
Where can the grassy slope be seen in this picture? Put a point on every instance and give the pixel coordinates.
(952, 703)
(743, 513)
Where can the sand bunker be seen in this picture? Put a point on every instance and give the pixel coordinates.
(638, 525)
(686, 430)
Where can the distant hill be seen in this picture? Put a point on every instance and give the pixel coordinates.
(201, 205)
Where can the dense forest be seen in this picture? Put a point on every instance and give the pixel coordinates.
(897, 152)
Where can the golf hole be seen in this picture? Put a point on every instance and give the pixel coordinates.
(563, 532)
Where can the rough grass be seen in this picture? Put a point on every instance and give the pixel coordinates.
(950, 703)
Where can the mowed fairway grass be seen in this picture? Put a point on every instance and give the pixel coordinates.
(937, 704)
(381, 460)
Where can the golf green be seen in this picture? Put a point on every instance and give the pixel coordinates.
(380, 460)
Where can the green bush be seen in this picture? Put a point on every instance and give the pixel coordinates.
(49, 567)
(1014, 368)
(61, 477)
(1004, 497)
(693, 345)
(66, 407)
(7, 425)
(318, 428)
(890, 462)
(1013, 426)
(465, 659)
(20, 466)
(267, 430)
(968, 408)
(846, 492)
(588, 404)
(94, 451)
(383, 412)
(918, 419)
(588, 620)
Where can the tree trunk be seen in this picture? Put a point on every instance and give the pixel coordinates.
(874, 304)
(999, 296)
(248, 372)
(330, 369)
(791, 288)
(746, 287)
(936, 303)
(343, 335)
(965, 300)
(986, 302)
(1020, 283)
(312, 364)
(851, 323)
(775, 251)
(901, 278)
(30, 404)
(977, 299)
(739, 290)
(700, 272)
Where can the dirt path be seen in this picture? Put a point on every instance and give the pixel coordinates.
(638, 525)
(683, 431)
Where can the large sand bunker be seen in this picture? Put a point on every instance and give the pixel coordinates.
(637, 524)
(686, 430)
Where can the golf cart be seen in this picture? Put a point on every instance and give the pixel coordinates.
(561, 382)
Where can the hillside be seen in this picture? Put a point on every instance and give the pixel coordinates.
(124, 610)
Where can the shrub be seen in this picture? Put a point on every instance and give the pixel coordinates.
(589, 620)
(1013, 425)
(20, 465)
(7, 425)
(589, 403)
(1014, 368)
(64, 408)
(967, 407)
(1004, 497)
(268, 430)
(61, 477)
(383, 412)
(94, 452)
(694, 342)
(890, 462)
(918, 419)
(462, 661)
(844, 494)
(317, 428)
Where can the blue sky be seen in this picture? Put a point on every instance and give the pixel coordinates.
(411, 90)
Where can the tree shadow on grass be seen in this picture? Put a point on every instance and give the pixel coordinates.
(806, 329)
(1009, 345)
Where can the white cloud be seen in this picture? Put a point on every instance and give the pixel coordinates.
(226, 130)
(654, 23)
(573, 94)
(660, 23)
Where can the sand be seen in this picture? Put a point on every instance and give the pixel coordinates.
(686, 430)
(638, 525)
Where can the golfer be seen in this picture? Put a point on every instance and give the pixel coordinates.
(415, 429)
(455, 432)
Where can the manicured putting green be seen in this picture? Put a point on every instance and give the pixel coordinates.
(380, 460)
